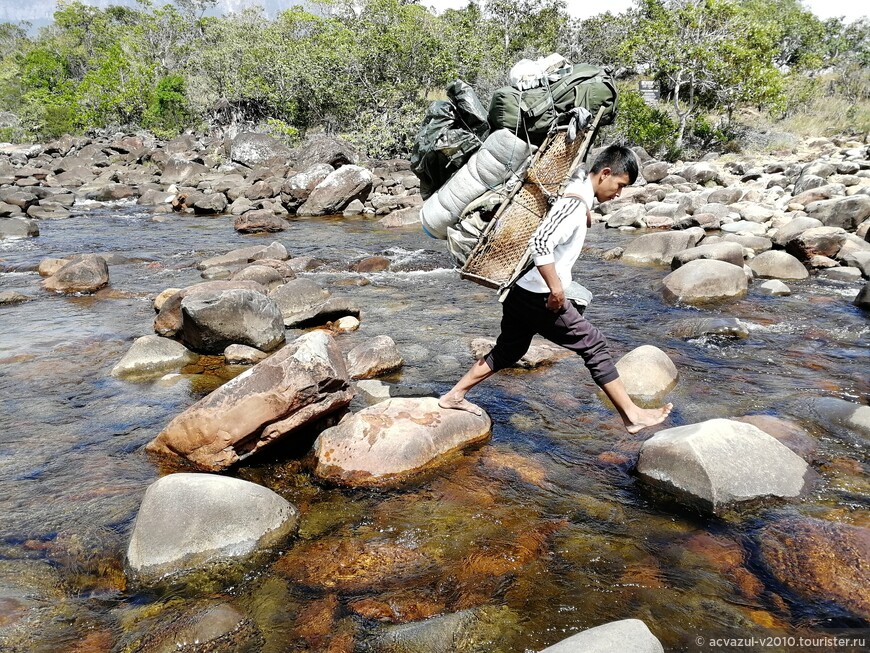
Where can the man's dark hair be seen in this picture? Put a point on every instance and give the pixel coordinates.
(620, 159)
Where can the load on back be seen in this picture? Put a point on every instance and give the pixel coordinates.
(471, 165)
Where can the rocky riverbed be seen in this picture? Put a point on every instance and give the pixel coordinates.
(235, 306)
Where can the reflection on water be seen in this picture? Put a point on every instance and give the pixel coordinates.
(539, 533)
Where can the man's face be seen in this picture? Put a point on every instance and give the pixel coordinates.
(609, 185)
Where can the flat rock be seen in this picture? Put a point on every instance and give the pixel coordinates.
(210, 322)
(402, 218)
(744, 227)
(12, 297)
(817, 241)
(702, 281)
(721, 462)
(819, 560)
(794, 228)
(724, 251)
(274, 250)
(647, 372)
(18, 228)
(660, 248)
(614, 637)
(85, 275)
(189, 520)
(729, 327)
(294, 387)
(777, 264)
(153, 355)
(373, 358)
(267, 276)
(395, 439)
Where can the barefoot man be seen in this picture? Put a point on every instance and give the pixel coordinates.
(537, 303)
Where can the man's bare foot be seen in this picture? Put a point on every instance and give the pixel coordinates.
(459, 403)
(645, 417)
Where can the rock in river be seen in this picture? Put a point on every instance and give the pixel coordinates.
(153, 355)
(211, 322)
(294, 387)
(614, 637)
(373, 358)
(647, 372)
(721, 462)
(776, 264)
(661, 247)
(188, 520)
(86, 275)
(394, 439)
(703, 280)
(820, 560)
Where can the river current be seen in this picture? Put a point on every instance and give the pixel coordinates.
(546, 524)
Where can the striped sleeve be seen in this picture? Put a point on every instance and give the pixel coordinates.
(555, 229)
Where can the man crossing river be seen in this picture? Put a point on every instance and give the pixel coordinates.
(537, 303)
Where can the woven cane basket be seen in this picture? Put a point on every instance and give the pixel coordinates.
(501, 253)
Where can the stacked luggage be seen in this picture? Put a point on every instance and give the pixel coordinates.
(470, 166)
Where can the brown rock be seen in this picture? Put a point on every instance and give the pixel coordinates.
(372, 264)
(298, 385)
(86, 275)
(820, 560)
(789, 433)
(263, 221)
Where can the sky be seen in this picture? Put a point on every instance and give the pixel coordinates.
(42, 10)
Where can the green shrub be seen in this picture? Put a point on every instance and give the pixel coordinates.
(387, 133)
(167, 113)
(640, 124)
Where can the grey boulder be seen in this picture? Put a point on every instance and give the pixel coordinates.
(702, 281)
(18, 228)
(211, 322)
(252, 149)
(647, 372)
(190, 520)
(373, 358)
(274, 250)
(776, 264)
(337, 190)
(721, 462)
(661, 247)
(85, 275)
(724, 251)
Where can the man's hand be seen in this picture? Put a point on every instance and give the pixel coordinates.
(556, 301)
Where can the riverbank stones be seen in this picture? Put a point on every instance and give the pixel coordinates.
(294, 387)
(820, 561)
(647, 372)
(395, 439)
(614, 637)
(189, 520)
(153, 355)
(721, 462)
(702, 281)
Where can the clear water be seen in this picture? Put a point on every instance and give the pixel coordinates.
(546, 524)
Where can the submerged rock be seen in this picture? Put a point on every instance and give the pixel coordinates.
(373, 358)
(298, 385)
(729, 327)
(188, 520)
(394, 439)
(614, 637)
(721, 462)
(540, 353)
(820, 560)
(838, 414)
(153, 355)
(647, 372)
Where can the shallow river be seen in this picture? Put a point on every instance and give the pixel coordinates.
(545, 527)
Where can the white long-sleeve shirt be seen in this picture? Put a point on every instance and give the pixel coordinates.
(560, 236)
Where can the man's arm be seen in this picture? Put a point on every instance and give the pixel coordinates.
(556, 300)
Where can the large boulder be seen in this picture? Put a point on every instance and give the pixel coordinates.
(721, 462)
(18, 227)
(794, 228)
(324, 149)
(394, 439)
(628, 216)
(846, 212)
(298, 188)
(210, 204)
(261, 221)
(304, 303)
(252, 149)
(700, 173)
(373, 358)
(724, 251)
(776, 264)
(177, 170)
(821, 561)
(298, 385)
(85, 275)
(614, 637)
(211, 322)
(818, 241)
(190, 520)
(647, 372)
(169, 316)
(153, 355)
(661, 247)
(702, 281)
(337, 190)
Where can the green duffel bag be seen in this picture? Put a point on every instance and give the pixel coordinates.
(530, 114)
